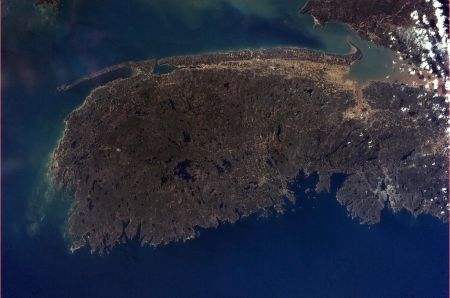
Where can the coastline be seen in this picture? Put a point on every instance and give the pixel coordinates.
(325, 70)
(280, 255)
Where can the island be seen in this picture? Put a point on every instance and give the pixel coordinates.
(52, 3)
(190, 142)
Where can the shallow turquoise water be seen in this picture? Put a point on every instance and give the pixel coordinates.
(316, 251)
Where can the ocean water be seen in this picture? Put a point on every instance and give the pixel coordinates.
(316, 250)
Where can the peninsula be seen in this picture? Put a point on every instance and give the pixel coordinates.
(220, 136)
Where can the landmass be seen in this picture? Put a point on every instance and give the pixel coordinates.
(217, 137)
(52, 3)
(416, 29)
(48, 4)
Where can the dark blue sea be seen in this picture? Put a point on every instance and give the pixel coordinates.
(313, 250)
